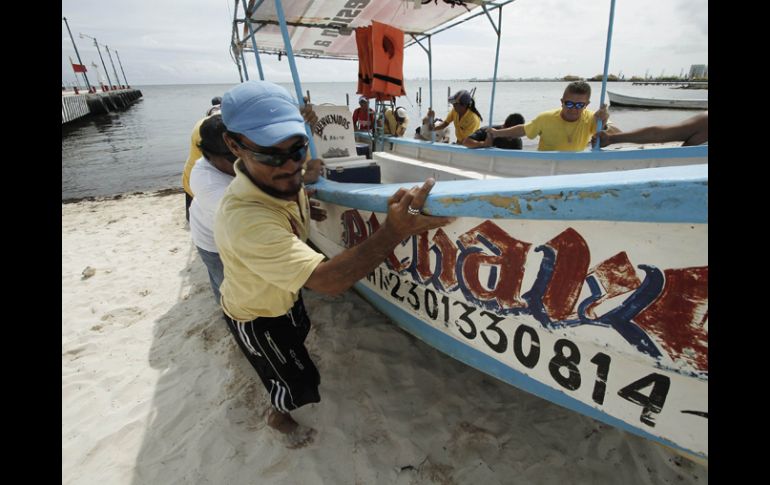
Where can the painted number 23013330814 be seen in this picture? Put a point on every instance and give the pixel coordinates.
(473, 323)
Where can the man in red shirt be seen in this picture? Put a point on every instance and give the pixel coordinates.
(363, 116)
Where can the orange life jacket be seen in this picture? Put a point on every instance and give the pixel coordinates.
(364, 45)
(388, 60)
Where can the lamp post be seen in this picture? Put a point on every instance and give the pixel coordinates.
(121, 67)
(113, 64)
(76, 52)
(100, 56)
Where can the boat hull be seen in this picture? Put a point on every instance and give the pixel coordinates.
(544, 290)
(637, 102)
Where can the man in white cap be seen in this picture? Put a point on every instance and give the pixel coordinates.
(395, 122)
(260, 230)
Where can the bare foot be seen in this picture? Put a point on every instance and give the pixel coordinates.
(291, 433)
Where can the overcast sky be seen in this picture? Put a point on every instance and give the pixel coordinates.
(187, 42)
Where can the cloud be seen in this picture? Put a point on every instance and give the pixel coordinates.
(187, 41)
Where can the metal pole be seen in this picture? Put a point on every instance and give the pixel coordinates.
(240, 47)
(245, 69)
(293, 66)
(113, 64)
(430, 73)
(106, 73)
(234, 41)
(76, 52)
(419, 102)
(428, 51)
(606, 68)
(253, 42)
(121, 67)
(498, 28)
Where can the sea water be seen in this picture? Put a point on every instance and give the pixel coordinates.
(144, 148)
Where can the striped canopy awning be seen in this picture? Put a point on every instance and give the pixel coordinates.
(324, 28)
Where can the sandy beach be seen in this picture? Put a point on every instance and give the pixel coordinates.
(155, 390)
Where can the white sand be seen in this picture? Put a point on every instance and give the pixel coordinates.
(155, 391)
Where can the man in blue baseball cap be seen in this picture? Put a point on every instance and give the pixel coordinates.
(261, 229)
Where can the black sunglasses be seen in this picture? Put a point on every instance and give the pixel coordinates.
(276, 158)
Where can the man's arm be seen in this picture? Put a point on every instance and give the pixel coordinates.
(471, 143)
(336, 275)
(692, 131)
(432, 115)
(516, 131)
(312, 170)
(310, 116)
(602, 114)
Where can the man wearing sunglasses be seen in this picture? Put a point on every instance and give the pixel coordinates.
(260, 230)
(568, 128)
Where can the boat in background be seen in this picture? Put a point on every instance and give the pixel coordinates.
(636, 102)
(579, 277)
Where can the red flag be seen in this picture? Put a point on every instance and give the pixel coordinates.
(77, 67)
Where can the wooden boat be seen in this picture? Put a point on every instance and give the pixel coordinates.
(636, 102)
(579, 277)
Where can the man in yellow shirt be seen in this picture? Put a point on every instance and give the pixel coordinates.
(261, 229)
(395, 122)
(566, 129)
(464, 115)
(195, 154)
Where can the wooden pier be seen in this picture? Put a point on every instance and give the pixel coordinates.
(75, 106)
(685, 84)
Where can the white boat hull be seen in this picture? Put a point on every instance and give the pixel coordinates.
(587, 290)
(636, 102)
(404, 160)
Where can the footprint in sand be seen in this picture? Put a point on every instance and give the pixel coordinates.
(73, 354)
(301, 437)
(125, 316)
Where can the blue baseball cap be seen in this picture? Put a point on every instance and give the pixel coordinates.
(262, 111)
(463, 97)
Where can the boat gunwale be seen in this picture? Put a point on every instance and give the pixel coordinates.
(644, 195)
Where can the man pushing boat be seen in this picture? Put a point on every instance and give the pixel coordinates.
(261, 229)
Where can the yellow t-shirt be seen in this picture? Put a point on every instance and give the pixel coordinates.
(557, 134)
(464, 126)
(392, 126)
(195, 154)
(261, 241)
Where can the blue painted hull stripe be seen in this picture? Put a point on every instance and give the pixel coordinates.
(667, 194)
(488, 365)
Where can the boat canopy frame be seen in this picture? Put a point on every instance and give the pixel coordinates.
(343, 24)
